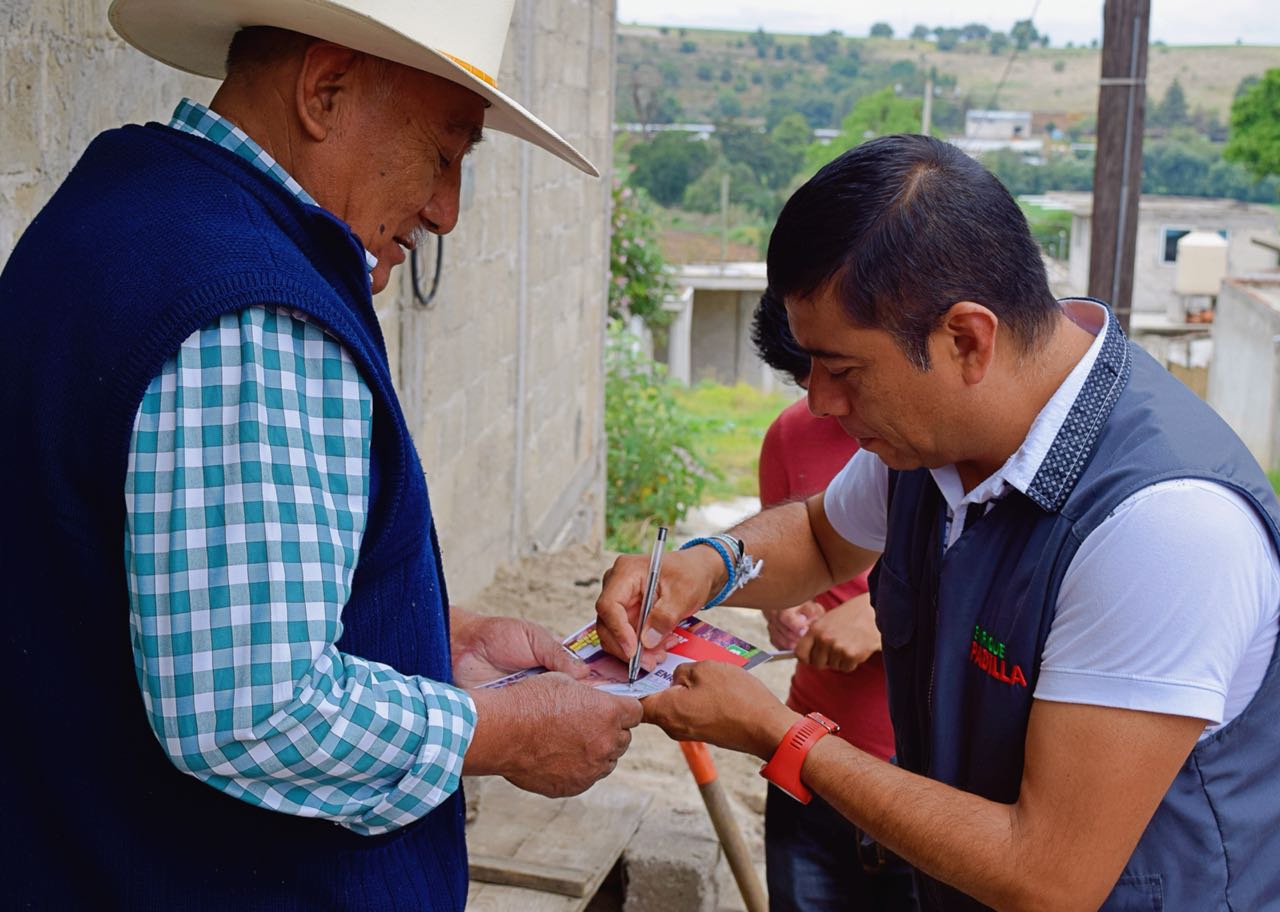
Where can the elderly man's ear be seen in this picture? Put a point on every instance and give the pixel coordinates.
(324, 84)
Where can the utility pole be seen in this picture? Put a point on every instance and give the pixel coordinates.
(1117, 176)
(926, 115)
(724, 218)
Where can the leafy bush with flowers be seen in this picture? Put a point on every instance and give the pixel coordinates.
(653, 475)
(638, 279)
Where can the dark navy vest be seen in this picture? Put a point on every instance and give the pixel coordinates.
(153, 235)
(963, 633)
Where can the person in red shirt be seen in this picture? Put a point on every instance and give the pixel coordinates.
(815, 859)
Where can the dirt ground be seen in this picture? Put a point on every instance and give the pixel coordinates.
(558, 590)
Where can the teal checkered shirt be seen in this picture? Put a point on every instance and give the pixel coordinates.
(247, 496)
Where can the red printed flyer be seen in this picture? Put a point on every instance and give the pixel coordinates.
(693, 640)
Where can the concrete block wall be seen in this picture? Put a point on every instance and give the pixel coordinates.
(1244, 375)
(64, 78)
(502, 376)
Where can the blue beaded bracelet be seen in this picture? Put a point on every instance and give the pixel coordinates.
(729, 567)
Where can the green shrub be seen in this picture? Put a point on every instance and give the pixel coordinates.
(653, 475)
(638, 282)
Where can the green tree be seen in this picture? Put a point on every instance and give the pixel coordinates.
(948, 38)
(762, 41)
(881, 30)
(824, 47)
(920, 33)
(1024, 34)
(975, 31)
(727, 106)
(1255, 128)
(877, 114)
(771, 164)
(792, 134)
(1172, 109)
(668, 163)
(998, 42)
(745, 190)
(1246, 84)
(638, 279)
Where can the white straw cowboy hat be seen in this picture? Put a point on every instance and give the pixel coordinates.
(459, 40)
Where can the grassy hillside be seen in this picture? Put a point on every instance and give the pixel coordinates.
(1051, 80)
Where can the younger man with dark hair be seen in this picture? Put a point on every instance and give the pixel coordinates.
(1077, 586)
(815, 859)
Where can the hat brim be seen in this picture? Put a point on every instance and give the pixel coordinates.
(193, 35)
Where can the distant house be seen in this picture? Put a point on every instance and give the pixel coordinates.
(709, 337)
(1162, 220)
(992, 131)
(1004, 125)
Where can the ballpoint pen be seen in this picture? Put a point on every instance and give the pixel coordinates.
(650, 589)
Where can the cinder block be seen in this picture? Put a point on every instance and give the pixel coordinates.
(671, 864)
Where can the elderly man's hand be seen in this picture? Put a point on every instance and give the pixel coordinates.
(550, 734)
(486, 648)
(688, 581)
(722, 705)
(843, 638)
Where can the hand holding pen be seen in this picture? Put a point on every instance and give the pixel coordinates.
(650, 590)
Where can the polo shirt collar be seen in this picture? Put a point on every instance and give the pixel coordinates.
(1061, 438)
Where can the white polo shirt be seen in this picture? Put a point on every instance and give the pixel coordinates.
(1171, 605)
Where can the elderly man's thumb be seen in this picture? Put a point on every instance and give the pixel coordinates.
(553, 656)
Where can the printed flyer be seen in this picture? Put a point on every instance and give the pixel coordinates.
(693, 640)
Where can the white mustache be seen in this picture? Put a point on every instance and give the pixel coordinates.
(418, 235)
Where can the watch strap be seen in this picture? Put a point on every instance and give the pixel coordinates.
(783, 768)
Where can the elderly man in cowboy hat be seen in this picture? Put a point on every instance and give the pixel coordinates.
(237, 678)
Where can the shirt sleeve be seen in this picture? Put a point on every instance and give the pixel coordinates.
(857, 501)
(246, 498)
(774, 488)
(1166, 606)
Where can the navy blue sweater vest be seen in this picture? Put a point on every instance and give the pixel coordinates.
(963, 633)
(153, 235)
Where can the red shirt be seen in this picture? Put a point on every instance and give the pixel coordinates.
(800, 455)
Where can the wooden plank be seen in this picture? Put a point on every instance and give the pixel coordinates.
(562, 846)
(516, 872)
(486, 897)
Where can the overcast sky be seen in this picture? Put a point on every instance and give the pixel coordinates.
(1173, 21)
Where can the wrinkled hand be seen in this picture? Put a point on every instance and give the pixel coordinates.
(722, 705)
(688, 581)
(559, 736)
(843, 638)
(486, 648)
(788, 625)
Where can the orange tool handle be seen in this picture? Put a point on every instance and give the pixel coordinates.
(700, 762)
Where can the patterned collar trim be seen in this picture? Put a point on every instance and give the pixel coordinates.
(194, 118)
(1074, 443)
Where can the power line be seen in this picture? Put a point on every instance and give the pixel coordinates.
(995, 96)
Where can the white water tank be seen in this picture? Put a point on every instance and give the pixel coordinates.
(1201, 263)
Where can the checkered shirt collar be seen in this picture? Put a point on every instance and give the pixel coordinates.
(192, 117)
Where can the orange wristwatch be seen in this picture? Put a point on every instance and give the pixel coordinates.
(783, 768)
